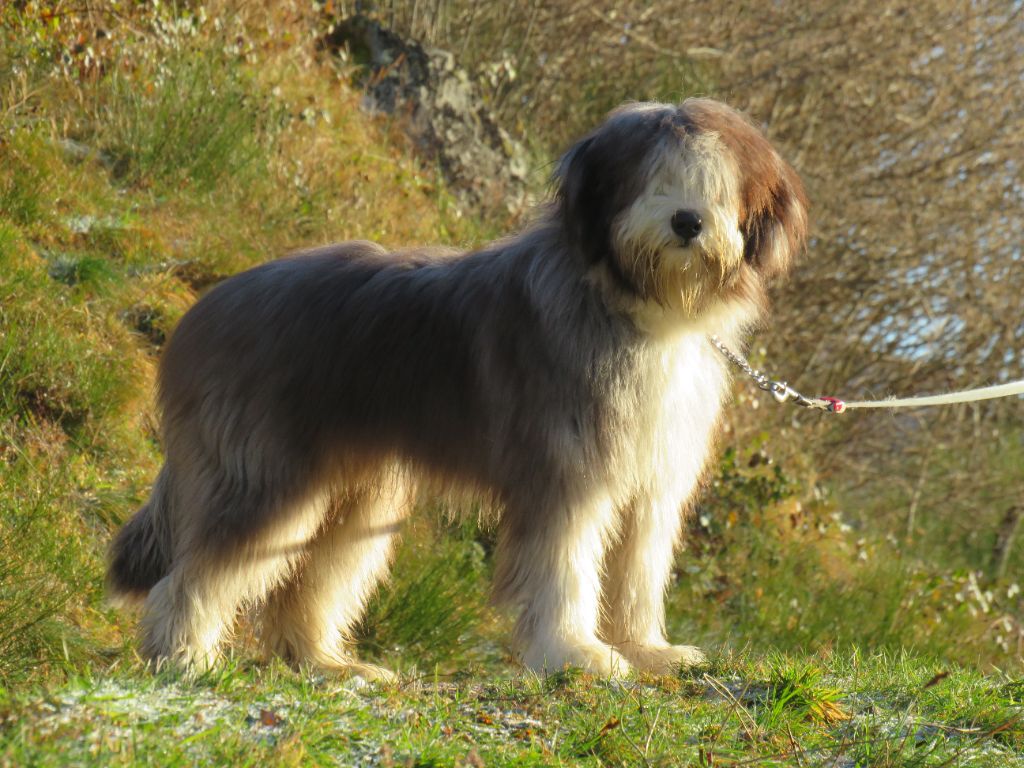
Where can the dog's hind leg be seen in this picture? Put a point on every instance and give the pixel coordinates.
(637, 572)
(189, 611)
(309, 618)
(549, 563)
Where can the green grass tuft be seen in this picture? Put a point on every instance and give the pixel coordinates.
(434, 610)
(186, 119)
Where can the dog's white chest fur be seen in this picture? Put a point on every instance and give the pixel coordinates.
(676, 425)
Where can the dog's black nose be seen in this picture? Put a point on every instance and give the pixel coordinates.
(686, 224)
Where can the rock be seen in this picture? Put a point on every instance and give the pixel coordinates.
(441, 110)
(76, 151)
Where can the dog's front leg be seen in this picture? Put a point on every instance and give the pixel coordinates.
(638, 568)
(549, 563)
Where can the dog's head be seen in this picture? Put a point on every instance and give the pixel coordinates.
(680, 206)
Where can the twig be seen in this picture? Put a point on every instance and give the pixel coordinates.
(690, 54)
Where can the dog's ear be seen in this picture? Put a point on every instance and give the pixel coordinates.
(775, 227)
(773, 206)
(571, 166)
(580, 198)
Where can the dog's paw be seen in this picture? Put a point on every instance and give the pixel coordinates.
(600, 659)
(662, 659)
(593, 657)
(187, 661)
(370, 673)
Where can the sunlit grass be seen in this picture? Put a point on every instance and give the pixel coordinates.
(846, 709)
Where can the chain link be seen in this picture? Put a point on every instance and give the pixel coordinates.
(780, 390)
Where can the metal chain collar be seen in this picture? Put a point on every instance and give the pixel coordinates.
(780, 390)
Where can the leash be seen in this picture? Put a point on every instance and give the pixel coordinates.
(782, 392)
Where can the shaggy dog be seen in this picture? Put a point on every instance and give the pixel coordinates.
(563, 375)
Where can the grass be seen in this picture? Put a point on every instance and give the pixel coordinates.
(162, 126)
(182, 152)
(740, 710)
(437, 604)
(784, 570)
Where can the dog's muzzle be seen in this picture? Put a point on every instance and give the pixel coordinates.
(687, 225)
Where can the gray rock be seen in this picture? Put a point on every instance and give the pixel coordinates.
(438, 106)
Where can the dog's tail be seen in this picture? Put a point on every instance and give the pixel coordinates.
(141, 553)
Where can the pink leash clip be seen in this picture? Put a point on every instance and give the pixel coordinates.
(835, 405)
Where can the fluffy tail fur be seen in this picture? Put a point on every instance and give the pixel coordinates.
(141, 554)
